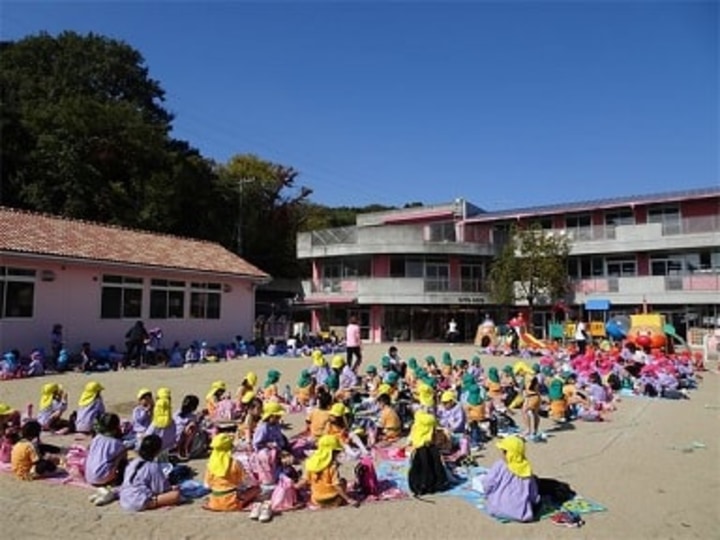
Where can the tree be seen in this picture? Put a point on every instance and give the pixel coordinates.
(531, 266)
(85, 129)
(268, 211)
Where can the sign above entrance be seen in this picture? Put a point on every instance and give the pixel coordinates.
(470, 300)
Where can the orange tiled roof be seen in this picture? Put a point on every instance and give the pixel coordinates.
(28, 232)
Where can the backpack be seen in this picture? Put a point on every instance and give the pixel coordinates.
(557, 491)
(284, 496)
(75, 461)
(199, 445)
(366, 480)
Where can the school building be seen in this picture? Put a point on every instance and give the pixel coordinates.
(406, 273)
(97, 280)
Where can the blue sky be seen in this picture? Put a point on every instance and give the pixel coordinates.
(507, 104)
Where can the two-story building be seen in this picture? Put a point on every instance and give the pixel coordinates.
(405, 273)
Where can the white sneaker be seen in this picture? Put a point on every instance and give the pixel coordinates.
(255, 511)
(266, 512)
(105, 498)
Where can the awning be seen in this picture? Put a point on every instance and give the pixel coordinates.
(597, 305)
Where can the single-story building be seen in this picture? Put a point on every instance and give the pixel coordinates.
(97, 280)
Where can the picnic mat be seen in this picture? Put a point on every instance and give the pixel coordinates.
(397, 472)
(60, 477)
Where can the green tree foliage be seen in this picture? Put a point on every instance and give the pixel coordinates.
(532, 266)
(268, 211)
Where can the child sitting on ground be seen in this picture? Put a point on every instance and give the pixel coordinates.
(510, 488)
(145, 486)
(225, 478)
(163, 424)
(305, 390)
(319, 416)
(186, 426)
(389, 424)
(322, 475)
(53, 403)
(106, 459)
(90, 407)
(142, 413)
(30, 459)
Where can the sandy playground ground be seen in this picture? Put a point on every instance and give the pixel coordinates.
(642, 465)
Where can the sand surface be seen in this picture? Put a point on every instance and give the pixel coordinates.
(638, 465)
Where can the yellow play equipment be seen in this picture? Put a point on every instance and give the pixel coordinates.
(486, 335)
(647, 330)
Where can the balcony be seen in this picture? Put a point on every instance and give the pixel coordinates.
(434, 238)
(688, 288)
(396, 291)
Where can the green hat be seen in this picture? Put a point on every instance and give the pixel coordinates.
(493, 375)
(412, 363)
(546, 370)
(305, 379)
(371, 369)
(430, 360)
(468, 380)
(386, 362)
(446, 359)
(474, 396)
(332, 381)
(430, 381)
(475, 361)
(555, 390)
(273, 376)
(536, 367)
(508, 370)
(459, 363)
(392, 377)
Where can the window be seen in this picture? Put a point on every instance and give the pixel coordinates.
(668, 216)
(666, 266)
(437, 276)
(441, 232)
(545, 223)
(414, 268)
(471, 277)
(619, 216)
(397, 266)
(205, 300)
(621, 267)
(121, 297)
(585, 267)
(17, 292)
(579, 227)
(167, 299)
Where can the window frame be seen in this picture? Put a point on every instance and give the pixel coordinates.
(127, 287)
(10, 278)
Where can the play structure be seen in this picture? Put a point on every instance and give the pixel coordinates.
(486, 335)
(646, 330)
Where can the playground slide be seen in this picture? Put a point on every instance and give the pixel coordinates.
(670, 331)
(532, 341)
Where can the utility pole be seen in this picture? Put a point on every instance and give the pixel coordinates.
(241, 186)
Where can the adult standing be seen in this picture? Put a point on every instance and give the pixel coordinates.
(581, 337)
(353, 344)
(56, 345)
(452, 331)
(135, 340)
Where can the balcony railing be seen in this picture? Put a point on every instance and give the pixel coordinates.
(455, 285)
(690, 225)
(685, 282)
(334, 285)
(328, 237)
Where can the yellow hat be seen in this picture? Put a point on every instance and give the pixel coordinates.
(251, 378)
(222, 441)
(339, 410)
(162, 412)
(448, 396)
(6, 409)
(426, 395)
(272, 408)
(322, 457)
(520, 368)
(89, 393)
(47, 393)
(337, 362)
(143, 392)
(384, 388)
(163, 393)
(221, 455)
(247, 397)
(216, 387)
(318, 358)
(423, 429)
(515, 459)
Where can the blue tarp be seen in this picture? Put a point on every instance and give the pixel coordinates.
(597, 305)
